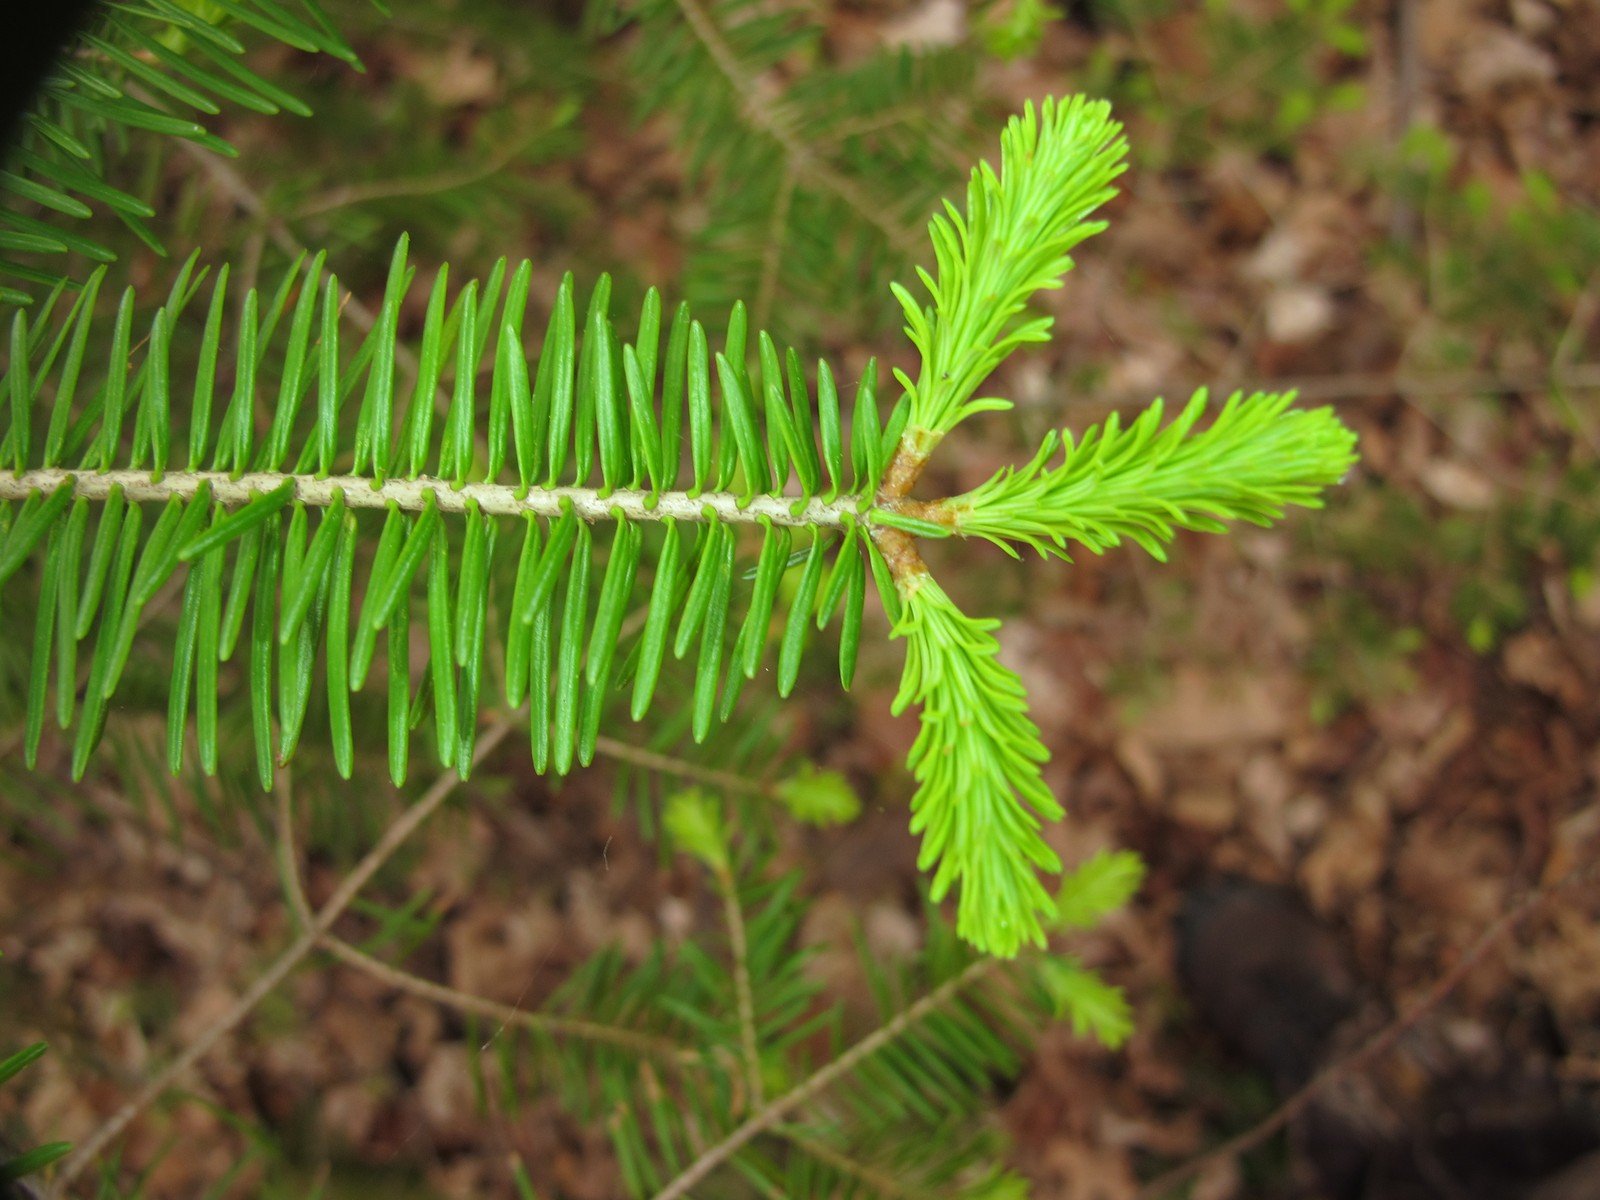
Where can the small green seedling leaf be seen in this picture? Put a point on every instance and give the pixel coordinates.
(1099, 887)
(819, 797)
(694, 821)
(1094, 1008)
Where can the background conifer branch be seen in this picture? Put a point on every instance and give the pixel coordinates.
(792, 162)
(776, 122)
(643, 1044)
(782, 1106)
(86, 1152)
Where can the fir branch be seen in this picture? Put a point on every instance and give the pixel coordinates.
(784, 126)
(126, 76)
(308, 939)
(739, 948)
(1256, 458)
(780, 1107)
(598, 431)
(592, 434)
(1098, 887)
(795, 167)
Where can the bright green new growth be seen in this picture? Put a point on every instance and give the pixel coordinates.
(1012, 242)
(980, 797)
(1146, 482)
(524, 514)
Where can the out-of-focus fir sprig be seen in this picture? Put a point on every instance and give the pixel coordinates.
(727, 1058)
(150, 68)
(15, 1165)
(1145, 483)
(815, 176)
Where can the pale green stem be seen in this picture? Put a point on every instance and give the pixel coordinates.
(497, 499)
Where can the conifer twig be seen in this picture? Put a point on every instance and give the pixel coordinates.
(410, 495)
(770, 119)
(438, 993)
(783, 1105)
(739, 946)
(347, 194)
(651, 760)
(772, 251)
(427, 989)
(880, 1181)
(393, 837)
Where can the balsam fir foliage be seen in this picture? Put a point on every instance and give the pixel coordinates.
(556, 533)
(150, 67)
(815, 181)
(711, 1064)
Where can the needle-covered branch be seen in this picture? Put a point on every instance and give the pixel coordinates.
(280, 465)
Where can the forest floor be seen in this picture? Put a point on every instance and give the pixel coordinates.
(1347, 746)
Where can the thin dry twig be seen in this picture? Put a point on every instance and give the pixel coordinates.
(405, 981)
(879, 1181)
(650, 760)
(1403, 217)
(393, 837)
(1374, 1047)
(398, 189)
(772, 254)
(739, 946)
(438, 993)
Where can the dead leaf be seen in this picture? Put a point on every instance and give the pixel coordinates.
(932, 25)
(1202, 710)
(446, 1096)
(1535, 659)
(1455, 484)
(1494, 59)
(1209, 809)
(1351, 854)
(462, 76)
(1298, 312)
